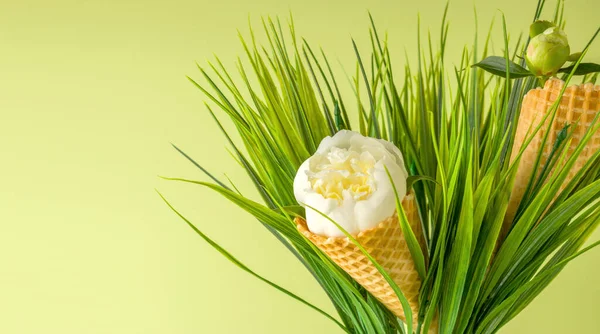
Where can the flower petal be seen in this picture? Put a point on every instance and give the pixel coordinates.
(301, 182)
(341, 139)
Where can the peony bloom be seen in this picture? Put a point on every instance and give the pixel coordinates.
(347, 181)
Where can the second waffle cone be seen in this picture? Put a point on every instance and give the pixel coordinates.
(579, 102)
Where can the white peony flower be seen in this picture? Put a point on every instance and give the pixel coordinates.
(346, 180)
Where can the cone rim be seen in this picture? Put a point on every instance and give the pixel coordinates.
(303, 228)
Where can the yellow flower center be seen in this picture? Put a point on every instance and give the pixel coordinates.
(342, 171)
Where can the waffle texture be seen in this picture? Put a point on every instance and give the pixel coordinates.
(386, 244)
(579, 102)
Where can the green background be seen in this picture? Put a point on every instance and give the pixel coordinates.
(91, 95)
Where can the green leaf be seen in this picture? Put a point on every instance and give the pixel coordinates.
(490, 323)
(262, 213)
(582, 69)
(497, 66)
(411, 240)
(414, 178)
(458, 263)
(238, 263)
(295, 210)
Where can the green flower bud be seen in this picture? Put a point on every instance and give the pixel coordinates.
(547, 52)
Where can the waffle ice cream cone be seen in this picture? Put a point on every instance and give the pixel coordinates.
(386, 244)
(579, 102)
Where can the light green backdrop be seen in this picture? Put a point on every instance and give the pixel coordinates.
(91, 95)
